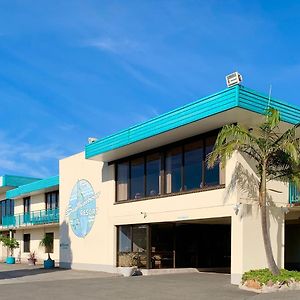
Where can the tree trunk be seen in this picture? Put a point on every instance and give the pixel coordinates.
(264, 225)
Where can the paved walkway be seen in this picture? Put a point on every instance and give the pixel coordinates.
(35, 283)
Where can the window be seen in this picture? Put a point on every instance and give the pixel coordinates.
(193, 165)
(122, 181)
(132, 245)
(51, 236)
(212, 176)
(170, 169)
(26, 239)
(6, 208)
(173, 170)
(124, 238)
(153, 178)
(137, 178)
(52, 200)
(26, 204)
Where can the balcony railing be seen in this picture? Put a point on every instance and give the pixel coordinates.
(294, 194)
(32, 218)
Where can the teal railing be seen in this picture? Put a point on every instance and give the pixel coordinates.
(32, 218)
(294, 194)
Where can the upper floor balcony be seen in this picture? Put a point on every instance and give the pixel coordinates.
(39, 217)
(294, 194)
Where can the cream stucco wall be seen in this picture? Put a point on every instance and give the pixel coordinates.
(98, 249)
(36, 234)
(37, 202)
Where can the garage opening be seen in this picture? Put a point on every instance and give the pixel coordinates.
(201, 244)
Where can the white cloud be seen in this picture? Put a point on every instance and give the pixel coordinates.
(116, 46)
(17, 157)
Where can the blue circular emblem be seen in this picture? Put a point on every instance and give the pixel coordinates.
(82, 208)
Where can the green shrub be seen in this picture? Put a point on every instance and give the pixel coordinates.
(263, 276)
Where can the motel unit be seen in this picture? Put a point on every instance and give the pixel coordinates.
(33, 213)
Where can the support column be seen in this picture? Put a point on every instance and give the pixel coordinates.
(247, 247)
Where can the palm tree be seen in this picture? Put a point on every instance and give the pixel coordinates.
(47, 242)
(276, 155)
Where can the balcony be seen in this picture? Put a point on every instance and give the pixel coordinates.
(38, 217)
(294, 194)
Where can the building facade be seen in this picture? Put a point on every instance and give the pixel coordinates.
(145, 196)
(145, 193)
(34, 213)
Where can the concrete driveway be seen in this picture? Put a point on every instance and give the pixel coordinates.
(68, 284)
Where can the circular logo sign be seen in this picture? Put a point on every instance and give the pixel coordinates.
(82, 208)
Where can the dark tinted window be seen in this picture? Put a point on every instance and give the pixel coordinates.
(193, 164)
(173, 178)
(153, 166)
(212, 176)
(26, 240)
(137, 179)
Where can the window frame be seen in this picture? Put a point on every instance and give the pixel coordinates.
(56, 192)
(27, 205)
(162, 151)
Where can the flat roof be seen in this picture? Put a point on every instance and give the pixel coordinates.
(10, 181)
(35, 186)
(230, 98)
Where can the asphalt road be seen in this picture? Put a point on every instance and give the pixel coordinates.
(73, 285)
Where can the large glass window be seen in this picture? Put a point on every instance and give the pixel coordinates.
(193, 165)
(212, 176)
(170, 169)
(122, 181)
(52, 200)
(173, 179)
(137, 178)
(132, 245)
(153, 179)
(125, 239)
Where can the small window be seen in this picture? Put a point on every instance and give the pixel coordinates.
(51, 235)
(26, 204)
(26, 239)
(52, 200)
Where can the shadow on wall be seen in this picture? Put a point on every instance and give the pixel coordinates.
(247, 185)
(65, 249)
(107, 172)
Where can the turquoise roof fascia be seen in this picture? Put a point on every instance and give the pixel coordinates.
(33, 187)
(15, 181)
(237, 96)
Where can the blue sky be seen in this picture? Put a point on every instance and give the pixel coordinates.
(74, 69)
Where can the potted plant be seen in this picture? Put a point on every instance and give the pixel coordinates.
(128, 263)
(47, 243)
(32, 258)
(11, 244)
